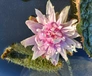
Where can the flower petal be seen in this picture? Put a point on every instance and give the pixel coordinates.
(50, 12)
(57, 40)
(69, 28)
(71, 22)
(37, 52)
(38, 41)
(75, 35)
(63, 15)
(44, 46)
(78, 45)
(50, 52)
(40, 17)
(33, 26)
(69, 33)
(29, 41)
(67, 47)
(62, 52)
(55, 59)
(73, 44)
(70, 42)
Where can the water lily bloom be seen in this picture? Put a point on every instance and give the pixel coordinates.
(53, 37)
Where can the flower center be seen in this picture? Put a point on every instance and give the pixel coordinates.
(51, 33)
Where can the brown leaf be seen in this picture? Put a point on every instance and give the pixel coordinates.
(75, 9)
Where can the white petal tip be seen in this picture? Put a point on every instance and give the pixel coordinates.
(33, 58)
(54, 63)
(23, 43)
(79, 46)
(36, 9)
(49, 3)
(47, 57)
(67, 7)
(66, 59)
(27, 22)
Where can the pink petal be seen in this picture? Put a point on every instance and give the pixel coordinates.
(44, 46)
(65, 45)
(34, 48)
(70, 42)
(55, 59)
(63, 15)
(37, 52)
(75, 35)
(42, 35)
(38, 41)
(78, 45)
(69, 28)
(62, 52)
(73, 42)
(29, 41)
(57, 40)
(70, 23)
(50, 52)
(69, 33)
(33, 26)
(50, 12)
(40, 17)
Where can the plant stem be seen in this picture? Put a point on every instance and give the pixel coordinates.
(69, 68)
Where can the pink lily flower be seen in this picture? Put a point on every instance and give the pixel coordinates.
(53, 37)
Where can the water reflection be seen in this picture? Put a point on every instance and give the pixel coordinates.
(81, 66)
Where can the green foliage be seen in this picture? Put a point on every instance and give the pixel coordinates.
(22, 56)
(79, 29)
